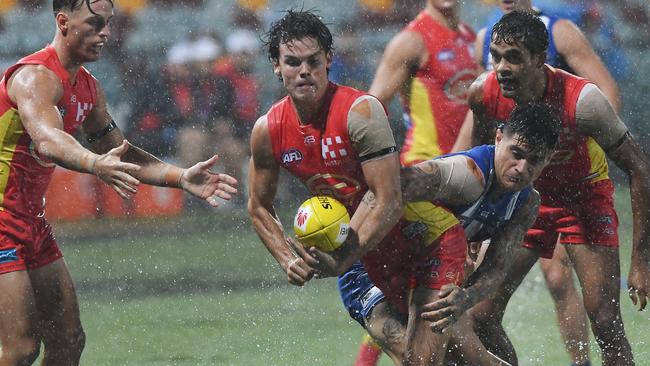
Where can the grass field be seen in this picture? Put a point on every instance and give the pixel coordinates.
(204, 291)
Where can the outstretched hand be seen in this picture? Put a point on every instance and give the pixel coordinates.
(445, 311)
(203, 183)
(111, 169)
(638, 283)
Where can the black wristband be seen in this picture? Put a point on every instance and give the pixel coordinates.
(92, 137)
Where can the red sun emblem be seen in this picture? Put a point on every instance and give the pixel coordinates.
(302, 217)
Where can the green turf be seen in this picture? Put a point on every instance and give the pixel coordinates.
(215, 297)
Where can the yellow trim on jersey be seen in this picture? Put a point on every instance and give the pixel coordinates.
(599, 168)
(436, 218)
(424, 135)
(11, 129)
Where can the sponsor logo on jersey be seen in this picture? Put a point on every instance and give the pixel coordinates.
(456, 88)
(446, 55)
(82, 111)
(8, 255)
(414, 229)
(310, 140)
(341, 187)
(333, 148)
(607, 220)
(291, 156)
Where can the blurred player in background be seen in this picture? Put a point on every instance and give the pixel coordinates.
(431, 63)
(338, 142)
(568, 49)
(577, 194)
(45, 98)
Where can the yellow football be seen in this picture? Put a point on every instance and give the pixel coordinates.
(322, 222)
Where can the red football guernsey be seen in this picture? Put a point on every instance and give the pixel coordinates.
(435, 101)
(320, 153)
(24, 176)
(579, 159)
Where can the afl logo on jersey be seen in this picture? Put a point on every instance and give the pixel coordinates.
(61, 111)
(291, 156)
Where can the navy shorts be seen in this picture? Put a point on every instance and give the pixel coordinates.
(358, 293)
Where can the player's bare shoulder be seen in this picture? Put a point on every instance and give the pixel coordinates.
(34, 82)
(408, 46)
(475, 91)
(261, 148)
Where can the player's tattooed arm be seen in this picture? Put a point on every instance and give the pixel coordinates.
(421, 181)
(454, 301)
(456, 180)
(596, 118)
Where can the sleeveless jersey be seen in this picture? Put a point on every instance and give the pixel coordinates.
(435, 101)
(553, 57)
(24, 176)
(578, 158)
(322, 156)
(320, 153)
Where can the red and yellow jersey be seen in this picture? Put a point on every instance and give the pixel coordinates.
(320, 153)
(323, 157)
(24, 176)
(578, 159)
(435, 101)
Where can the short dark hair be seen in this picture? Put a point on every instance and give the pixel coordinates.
(522, 27)
(72, 5)
(537, 124)
(294, 25)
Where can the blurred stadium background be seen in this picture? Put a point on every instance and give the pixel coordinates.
(163, 280)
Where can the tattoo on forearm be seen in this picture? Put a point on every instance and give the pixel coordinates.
(393, 331)
(420, 181)
(369, 199)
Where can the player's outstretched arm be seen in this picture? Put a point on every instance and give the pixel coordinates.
(596, 118)
(36, 91)
(263, 182)
(402, 58)
(572, 44)
(199, 180)
(487, 278)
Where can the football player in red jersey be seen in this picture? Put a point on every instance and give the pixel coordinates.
(570, 51)
(431, 64)
(577, 194)
(45, 98)
(338, 142)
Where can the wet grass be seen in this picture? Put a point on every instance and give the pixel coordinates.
(215, 297)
